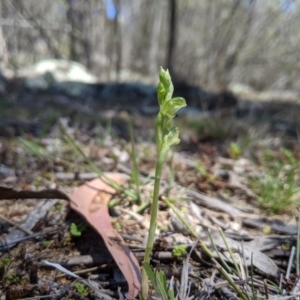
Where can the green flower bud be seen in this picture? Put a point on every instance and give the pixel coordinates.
(170, 107)
(172, 137)
(169, 123)
(170, 91)
(165, 79)
(159, 127)
(161, 93)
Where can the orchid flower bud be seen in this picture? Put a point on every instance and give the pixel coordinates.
(170, 107)
(169, 123)
(172, 137)
(165, 79)
(161, 93)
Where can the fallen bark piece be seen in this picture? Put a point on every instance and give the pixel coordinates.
(75, 176)
(8, 193)
(91, 201)
(246, 253)
(276, 225)
(39, 212)
(214, 203)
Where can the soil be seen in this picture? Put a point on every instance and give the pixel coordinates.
(209, 178)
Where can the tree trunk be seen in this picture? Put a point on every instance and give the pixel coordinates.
(117, 53)
(172, 36)
(154, 40)
(72, 37)
(3, 49)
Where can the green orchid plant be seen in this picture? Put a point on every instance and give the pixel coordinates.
(166, 136)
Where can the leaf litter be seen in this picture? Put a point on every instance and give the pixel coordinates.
(209, 188)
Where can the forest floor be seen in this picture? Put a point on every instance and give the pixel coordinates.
(231, 174)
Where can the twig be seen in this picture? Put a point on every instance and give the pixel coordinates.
(291, 259)
(15, 224)
(266, 289)
(34, 235)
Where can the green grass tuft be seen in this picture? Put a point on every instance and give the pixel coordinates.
(278, 186)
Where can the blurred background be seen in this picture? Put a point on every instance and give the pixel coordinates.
(217, 44)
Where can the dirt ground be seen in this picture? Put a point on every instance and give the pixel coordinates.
(234, 171)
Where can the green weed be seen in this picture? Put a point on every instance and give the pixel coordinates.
(278, 186)
(159, 283)
(58, 207)
(78, 150)
(76, 230)
(234, 151)
(201, 168)
(208, 252)
(179, 250)
(4, 264)
(11, 278)
(46, 244)
(81, 289)
(208, 128)
(34, 148)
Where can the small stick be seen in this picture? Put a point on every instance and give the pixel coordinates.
(29, 232)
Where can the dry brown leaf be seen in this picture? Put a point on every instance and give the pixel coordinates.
(91, 201)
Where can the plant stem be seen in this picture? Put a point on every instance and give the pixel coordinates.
(153, 221)
(166, 136)
(179, 216)
(298, 246)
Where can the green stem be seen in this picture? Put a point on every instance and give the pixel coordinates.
(230, 252)
(298, 246)
(179, 216)
(153, 221)
(166, 136)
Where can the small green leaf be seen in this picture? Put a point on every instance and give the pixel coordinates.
(179, 250)
(162, 284)
(81, 289)
(45, 244)
(76, 230)
(6, 261)
(151, 276)
(171, 293)
(58, 207)
(11, 278)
